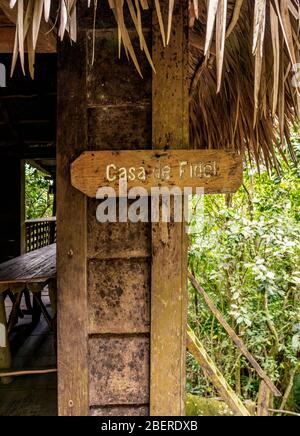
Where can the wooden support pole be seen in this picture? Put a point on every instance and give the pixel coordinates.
(46, 44)
(264, 398)
(169, 242)
(27, 372)
(14, 316)
(37, 297)
(71, 234)
(5, 356)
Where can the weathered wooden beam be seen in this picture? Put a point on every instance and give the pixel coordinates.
(28, 150)
(71, 235)
(28, 121)
(169, 241)
(28, 372)
(7, 39)
(5, 356)
(264, 398)
(196, 348)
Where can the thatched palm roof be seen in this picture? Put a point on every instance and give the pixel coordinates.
(257, 97)
(243, 59)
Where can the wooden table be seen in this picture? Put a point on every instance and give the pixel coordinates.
(31, 272)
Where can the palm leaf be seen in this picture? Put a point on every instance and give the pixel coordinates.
(249, 48)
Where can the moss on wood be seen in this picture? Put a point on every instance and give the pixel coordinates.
(198, 406)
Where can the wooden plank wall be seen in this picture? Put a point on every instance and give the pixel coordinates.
(104, 269)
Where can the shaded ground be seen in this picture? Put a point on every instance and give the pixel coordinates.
(31, 395)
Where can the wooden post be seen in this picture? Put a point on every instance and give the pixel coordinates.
(103, 268)
(118, 254)
(22, 209)
(11, 219)
(169, 242)
(5, 356)
(71, 234)
(264, 398)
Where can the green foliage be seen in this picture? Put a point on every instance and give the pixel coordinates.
(38, 200)
(247, 259)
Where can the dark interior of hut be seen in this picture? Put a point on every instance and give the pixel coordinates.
(27, 136)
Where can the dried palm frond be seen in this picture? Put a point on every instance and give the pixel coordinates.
(245, 55)
(30, 13)
(259, 94)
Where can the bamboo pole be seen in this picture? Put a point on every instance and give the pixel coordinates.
(28, 372)
(196, 348)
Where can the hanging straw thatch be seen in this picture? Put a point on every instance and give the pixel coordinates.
(243, 60)
(254, 76)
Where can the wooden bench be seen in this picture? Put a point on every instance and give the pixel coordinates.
(30, 272)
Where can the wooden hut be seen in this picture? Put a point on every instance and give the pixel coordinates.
(191, 75)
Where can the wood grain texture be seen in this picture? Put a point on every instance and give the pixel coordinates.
(115, 127)
(264, 399)
(169, 243)
(71, 234)
(5, 356)
(37, 266)
(45, 43)
(119, 296)
(118, 254)
(115, 80)
(116, 240)
(119, 370)
(216, 171)
(120, 411)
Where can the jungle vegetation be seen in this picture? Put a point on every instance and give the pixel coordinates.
(38, 193)
(247, 258)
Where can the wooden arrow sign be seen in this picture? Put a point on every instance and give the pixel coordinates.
(216, 171)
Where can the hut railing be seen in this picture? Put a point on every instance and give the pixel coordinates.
(40, 233)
